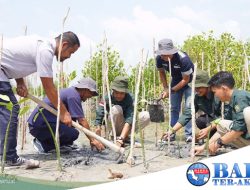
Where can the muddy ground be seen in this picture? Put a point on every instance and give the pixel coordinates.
(85, 165)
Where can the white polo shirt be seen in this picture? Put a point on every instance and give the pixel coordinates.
(25, 55)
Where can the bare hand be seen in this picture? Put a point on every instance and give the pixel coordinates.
(98, 145)
(203, 133)
(166, 135)
(213, 147)
(98, 130)
(22, 90)
(199, 149)
(165, 94)
(66, 119)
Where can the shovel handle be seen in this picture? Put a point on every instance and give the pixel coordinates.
(107, 143)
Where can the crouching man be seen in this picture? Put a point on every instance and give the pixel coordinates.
(72, 98)
(122, 111)
(235, 130)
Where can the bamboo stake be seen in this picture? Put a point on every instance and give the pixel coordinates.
(224, 61)
(140, 129)
(24, 117)
(106, 70)
(130, 159)
(169, 102)
(202, 60)
(193, 112)
(58, 91)
(103, 96)
(96, 79)
(246, 63)
(156, 124)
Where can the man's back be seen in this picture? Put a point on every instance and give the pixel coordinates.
(21, 55)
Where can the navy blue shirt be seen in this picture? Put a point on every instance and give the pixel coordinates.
(181, 64)
(71, 99)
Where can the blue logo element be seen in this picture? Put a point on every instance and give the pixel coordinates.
(198, 174)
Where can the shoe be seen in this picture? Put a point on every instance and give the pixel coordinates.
(16, 162)
(73, 146)
(63, 149)
(189, 139)
(137, 145)
(38, 146)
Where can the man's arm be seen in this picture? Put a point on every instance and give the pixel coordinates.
(93, 142)
(182, 83)
(164, 82)
(227, 138)
(51, 93)
(21, 87)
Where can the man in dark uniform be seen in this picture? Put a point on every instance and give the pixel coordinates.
(181, 73)
(72, 98)
(235, 130)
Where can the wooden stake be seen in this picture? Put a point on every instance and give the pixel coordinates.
(169, 102)
(156, 124)
(130, 159)
(58, 92)
(23, 118)
(193, 112)
(106, 71)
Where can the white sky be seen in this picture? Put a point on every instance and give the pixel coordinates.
(129, 25)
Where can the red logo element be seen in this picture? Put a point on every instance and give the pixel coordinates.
(201, 171)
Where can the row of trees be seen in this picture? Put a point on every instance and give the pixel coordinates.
(210, 53)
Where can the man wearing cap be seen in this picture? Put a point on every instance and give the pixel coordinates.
(21, 57)
(122, 110)
(181, 73)
(72, 98)
(205, 103)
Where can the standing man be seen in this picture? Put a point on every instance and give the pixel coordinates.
(122, 111)
(72, 98)
(181, 73)
(21, 57)
(236, 129)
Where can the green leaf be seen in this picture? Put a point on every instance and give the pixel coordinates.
(9, 106)
(22, 100)
(3, 103)
(24, 110)
(5, 97)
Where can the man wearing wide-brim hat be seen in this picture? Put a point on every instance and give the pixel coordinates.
(181, 73)
(72, 97)
(122, 110)
(208, 106)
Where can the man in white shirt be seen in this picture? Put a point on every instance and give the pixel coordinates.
(21, 57)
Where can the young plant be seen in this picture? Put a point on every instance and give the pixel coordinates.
(54, 139)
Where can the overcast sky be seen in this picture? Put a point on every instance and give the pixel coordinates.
(130, 25)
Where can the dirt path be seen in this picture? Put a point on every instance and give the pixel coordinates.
(86, 165)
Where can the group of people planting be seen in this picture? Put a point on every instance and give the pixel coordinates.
(222, 110)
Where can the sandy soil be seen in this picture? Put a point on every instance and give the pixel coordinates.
(85, 165)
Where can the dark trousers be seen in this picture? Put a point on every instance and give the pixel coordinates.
(11, 153)
(203, 121)
(67, 135)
